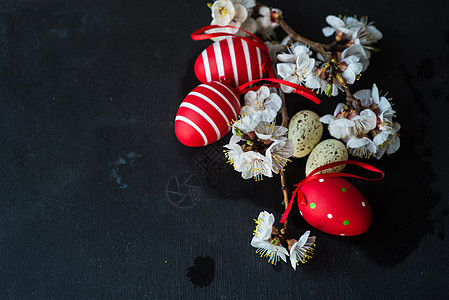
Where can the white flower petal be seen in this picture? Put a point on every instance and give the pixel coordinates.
(381, 137)
(356, 67)
(235, 139)
(313, 82)
(299, 50)
(287, 58)
(302, 250)
(249, 121)
(274, 102)
(250, 98)
(278, 153)
(327, 119)
(249, 25)
(375, 94)
(357, 143)
(334, 21)
(364, 96)
(255, 165)
(369, 119)
(328, 31)
(340, 128)
(263, 93)
(286, 89)
(349, 76)
(384, 104)
(264, 222)
(395, 145)
(339, 108)
(285, 69)
(375, 33)
(240, 13)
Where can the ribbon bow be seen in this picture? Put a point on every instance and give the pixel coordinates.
(314, 176)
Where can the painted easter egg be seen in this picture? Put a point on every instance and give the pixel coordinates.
(205, 113)
(304, 131)
(335, 206)
(328, 151)
(232, 57)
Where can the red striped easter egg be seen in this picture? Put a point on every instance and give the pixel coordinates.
(232, 57)
(335, 206)
(205, 113)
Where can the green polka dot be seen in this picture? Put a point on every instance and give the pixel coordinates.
(343, 190)
(345, 222)
(312, 205)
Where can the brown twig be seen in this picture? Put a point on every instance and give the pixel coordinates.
(352, 101)
(284, 113)
(282, 173)
(322, 49)
(284, 193)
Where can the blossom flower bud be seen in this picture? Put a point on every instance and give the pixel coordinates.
(340, 80)
(328, 91)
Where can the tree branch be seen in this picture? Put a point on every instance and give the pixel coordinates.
(322, 49)
(352, 101)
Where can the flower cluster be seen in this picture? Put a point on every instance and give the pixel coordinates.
(352, 31)
(350, 57)
(329, 77)
(369, 132)
(258, 147)
(268, 240)
(241, 14)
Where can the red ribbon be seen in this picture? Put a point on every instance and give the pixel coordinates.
(300, 90)
(313, 176)
(254, 40)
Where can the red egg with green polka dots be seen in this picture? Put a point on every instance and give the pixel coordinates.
(335, 206)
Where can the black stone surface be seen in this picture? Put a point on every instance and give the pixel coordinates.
(98, 199)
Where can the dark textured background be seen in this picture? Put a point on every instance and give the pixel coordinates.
(99, 200)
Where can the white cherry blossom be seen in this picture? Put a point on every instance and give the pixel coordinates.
(248, 121)
(361, 147)
(273, 252)
(271, 132)
(225, 11)
(302, 250)
(356, 31)
(266, 246)
(353, 66)
(278, 153)
(364, 31)
(336, 24)
(363, 123)
(387, 141)
(379, 104)
(264, 226)
(262, 100)
(296, 66)
(235, 156)
(362, 53)
(265, 26)
(254, 165)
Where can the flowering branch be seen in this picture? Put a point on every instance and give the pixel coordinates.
(283, 110)
(259, 147)
(317, 47)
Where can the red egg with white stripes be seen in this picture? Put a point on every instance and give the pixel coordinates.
(205, 114)
(335, 206)
(234, 58)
